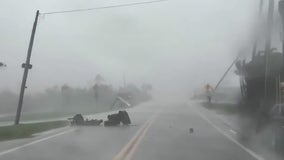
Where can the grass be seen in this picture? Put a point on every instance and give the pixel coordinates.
(222, 108)
(46, 115)
(27, 130)
(36, 116)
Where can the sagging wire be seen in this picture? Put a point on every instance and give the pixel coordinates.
(100, 8)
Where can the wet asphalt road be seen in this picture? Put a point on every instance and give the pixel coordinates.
(158, 132)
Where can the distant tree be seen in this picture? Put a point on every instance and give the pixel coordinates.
(146, 87)
(66, 94)
(2, 64)
(97, 87)
(65, 88)
(96, 91)
(99, 79)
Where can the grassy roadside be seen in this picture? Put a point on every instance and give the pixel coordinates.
(46, 115)
(27, 130)
(37, 116)
(222, 108)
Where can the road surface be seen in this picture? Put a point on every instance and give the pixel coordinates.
(158, 132)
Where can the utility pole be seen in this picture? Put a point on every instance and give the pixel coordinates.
(268, 46)
(255, 40)
(281, 11)
(26, 67)
(227, 71)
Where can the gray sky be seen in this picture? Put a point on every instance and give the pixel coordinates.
(174, 44)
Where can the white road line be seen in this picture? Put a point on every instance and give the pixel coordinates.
(34, 142)
(50, 131)
(229, 137)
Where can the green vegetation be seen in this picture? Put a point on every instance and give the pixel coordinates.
(41, 116)
(27, 130)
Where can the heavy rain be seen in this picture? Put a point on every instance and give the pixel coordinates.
(141, 79)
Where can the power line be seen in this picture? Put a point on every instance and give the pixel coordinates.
(106, 7)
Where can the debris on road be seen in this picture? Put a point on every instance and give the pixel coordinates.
(116, 119)
(78, 119)
(113, 120)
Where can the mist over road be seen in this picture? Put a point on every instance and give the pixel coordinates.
(158, 131)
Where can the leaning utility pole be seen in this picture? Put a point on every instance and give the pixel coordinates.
(227, 71)
(26, 66)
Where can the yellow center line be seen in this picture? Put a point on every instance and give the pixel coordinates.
(139, 140)
(129, 149)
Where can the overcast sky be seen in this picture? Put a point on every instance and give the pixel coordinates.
(173, 45)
